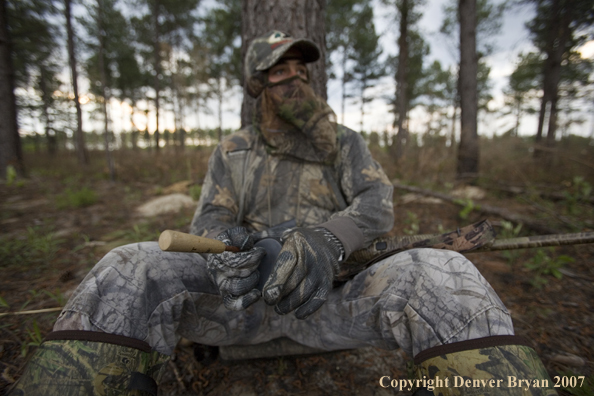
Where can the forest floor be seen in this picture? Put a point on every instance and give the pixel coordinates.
(53, 229)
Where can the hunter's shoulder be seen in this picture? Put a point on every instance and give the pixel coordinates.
(243, 139)
(347, 136)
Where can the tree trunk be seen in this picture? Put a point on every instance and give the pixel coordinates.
(81, 150)
(556, 46)
(344, 81)
(10, 142)
(156, 85)
(104, 91)
(134, 130)
(299, 18)
(178, 115)
(453, 128)
(45, 98)
(401, 105)
(363, 87)
(182, 130)
(220, 108)
(518, 117)
(468, 150)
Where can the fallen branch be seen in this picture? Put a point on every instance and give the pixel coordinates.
(552, 196)
(493, 210)
(33, 312)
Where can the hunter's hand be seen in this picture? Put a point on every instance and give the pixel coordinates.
(236, 274)
(304, 272)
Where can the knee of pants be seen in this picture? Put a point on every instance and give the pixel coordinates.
(427, 272)
(143, 267)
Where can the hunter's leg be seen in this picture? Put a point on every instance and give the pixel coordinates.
(414, 300)
(141, 292)
(126, 317)
(436, 306)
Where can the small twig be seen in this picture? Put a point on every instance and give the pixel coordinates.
(177, 375)
(35, 311)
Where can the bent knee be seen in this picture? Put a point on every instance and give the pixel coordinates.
(428, 266)
(411, 261)
(134, 258)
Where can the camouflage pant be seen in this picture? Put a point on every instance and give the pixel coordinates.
(414, 300)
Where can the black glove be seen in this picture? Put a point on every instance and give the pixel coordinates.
(236, 274)
(304, 271)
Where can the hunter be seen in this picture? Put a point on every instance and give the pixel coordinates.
(294, 165)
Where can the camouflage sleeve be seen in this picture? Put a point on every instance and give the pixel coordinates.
(367, 192)
(218, 204)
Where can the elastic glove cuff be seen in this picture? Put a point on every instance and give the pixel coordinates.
(331, 238)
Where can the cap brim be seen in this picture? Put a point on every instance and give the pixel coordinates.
(308, 48)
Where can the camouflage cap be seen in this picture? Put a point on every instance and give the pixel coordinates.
(266, 50)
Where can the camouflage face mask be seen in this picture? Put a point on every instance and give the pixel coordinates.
(296, 122)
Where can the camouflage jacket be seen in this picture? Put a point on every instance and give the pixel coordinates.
(246, 185)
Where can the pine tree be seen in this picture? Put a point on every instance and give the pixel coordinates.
(341, 17)
(10, 145)
(557, 29)
(368, 67)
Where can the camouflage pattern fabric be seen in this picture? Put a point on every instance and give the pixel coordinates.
(414, 300)
(304, 272)
(265, 51)
(470, 238)
(74, 368)
(487, 371)
(536, 241)
(296, 122)
(236, 274)
(247, 186)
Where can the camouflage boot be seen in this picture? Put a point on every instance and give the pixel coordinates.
(73, 363)
(485, 366)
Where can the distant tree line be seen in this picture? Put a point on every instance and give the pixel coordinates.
(177, 57)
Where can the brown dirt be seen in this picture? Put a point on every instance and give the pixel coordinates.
(558, 318)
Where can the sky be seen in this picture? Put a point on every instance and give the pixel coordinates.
(512, 40)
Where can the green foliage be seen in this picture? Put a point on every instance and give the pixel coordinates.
(3, 303)
(509, 231)
(58, 297)
(580, 191)
(468, 207)
(195, 191)
(489, 19)
(11, 175)
(282, 366)
(542, 265)
(37, 248)
(585, 387)
(34, 338)
(412, 223)
(76, 198)
(365, 53)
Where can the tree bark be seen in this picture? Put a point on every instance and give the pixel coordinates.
(559, 35)
(104, 91)
(45, 97)
(344, 80)
(401, 105)
(300, 19)
(11, 153)
(468, 150)
(81, 150)
(156, 84)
